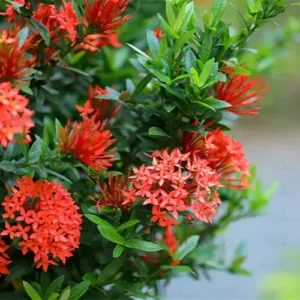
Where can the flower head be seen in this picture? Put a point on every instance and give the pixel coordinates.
(105, 109)
(176, 184)
(237, 92)
(111, 191)
(104, 15)
(4, 258)
(224, 155)
(88, 142)
(158, 33)
(15, 118)
(46, 220)
(15, 61)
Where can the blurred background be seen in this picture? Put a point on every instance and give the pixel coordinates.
(272, 142)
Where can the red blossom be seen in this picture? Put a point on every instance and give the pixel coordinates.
(224, 154)
(237, 92)
(111, 191)
(88, 142)
(4, 258)
(175, 183)
(15, 118)
(105, 109)
(158, 33)
(46, 218)
(15, 61)
(96, 41)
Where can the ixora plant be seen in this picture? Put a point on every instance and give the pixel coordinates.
(117, 170)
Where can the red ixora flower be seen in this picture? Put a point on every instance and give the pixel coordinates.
(104, 15)
(237, 91)
(105, 109)
(15, 61)
(88, 142)
(112, 195)
(158, 33)
(45, 217)
(176, 183)
(15, 118)
(4, 258)
(224, 155)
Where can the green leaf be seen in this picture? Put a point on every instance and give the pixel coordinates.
(153, 43)
(25, 89)
(43, 30)
(65, 295)
(32, 293)
(217, 11)
(75, 70)
(189, 245)
(139, 51)
(46, 138)
(127, 224)
(184, 17)
(170, 13)
(143, 83)
(194, 77)
(111, 269)
(185, 269)
(157, 132)
(213, 103)
(190, 60)
(118, 250)
(142, 245)
(167, 27)
(111, 235)
(54, 287)
(35, 152)
(182, 40)
(58, 127)
(100, 222)
(7, 166)
(78, 290)
(206, 71)
(22, 35)
(58, 175)
(206, 46)
(242, 71)
(53, 296)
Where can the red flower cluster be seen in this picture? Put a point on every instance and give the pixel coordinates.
(237, 92)
(60, 23)
(14, 116)
(104, 15)
(46, 219)
(112, 195)
(158, 33)
(4, 258)
(15, 62)
(88, 142)
(223, 154)
(176, 183)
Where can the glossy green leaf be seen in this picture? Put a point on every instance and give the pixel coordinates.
(54, 287)
(153, 43)
(127, 224)
(139, 51)
(187, 246)
(170, 13)
(111, 269)
(7, 166)
(194, 77)
(157, 132)
(111, 235)
(65, 295)
(182, 40)
(118, 250)
(22, 35)
(58, 175)
(184, 269)
(206, 71)
(78, 290)
(167, 27)
(43, 30)
(142, 245)
(97, 220)
(31, 292)
(217, 11)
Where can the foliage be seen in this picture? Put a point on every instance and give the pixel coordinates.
(131, 126)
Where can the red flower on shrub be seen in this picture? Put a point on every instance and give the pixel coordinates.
(111, 191)
(104, 15)
(158, 33)
(237, 91)
(15, 118)
(105, 109)
(176, 183)
(88, 142)
(96, 41)
(15, 61)
(46, 219)
(4, 258)
(224, 155)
